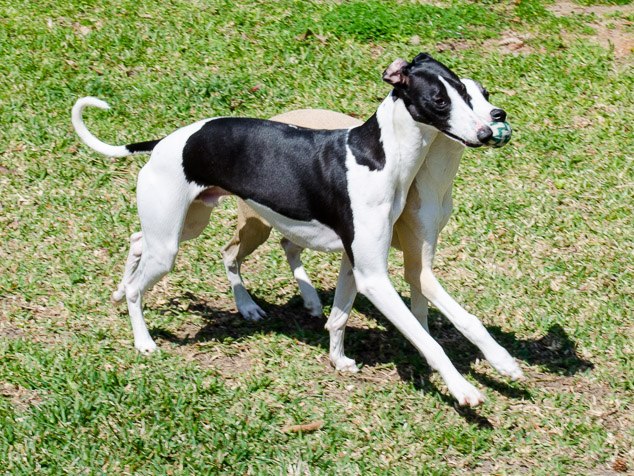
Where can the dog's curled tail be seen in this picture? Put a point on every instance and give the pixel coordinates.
(91, 141)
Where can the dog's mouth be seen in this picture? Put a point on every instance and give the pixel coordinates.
(473, 145)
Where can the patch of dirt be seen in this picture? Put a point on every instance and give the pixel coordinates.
(38, 328)
(610, 30)
(510, 43)
(7, 331)
(614, 414)
(20, 397)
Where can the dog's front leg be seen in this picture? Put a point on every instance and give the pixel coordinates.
(372, 280)
(418, 243)
(344, 298)
(378, 289)
(469, 325)
(406, 241)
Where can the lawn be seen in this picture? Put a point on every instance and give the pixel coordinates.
(540, 246)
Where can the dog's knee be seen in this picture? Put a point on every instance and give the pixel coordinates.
(153, 266)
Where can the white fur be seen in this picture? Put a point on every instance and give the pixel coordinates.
(479, 103)
(311, 234)
(85, 135)
(463, 122)
(427, 211)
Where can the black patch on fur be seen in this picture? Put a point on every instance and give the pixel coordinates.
(296, 172)
(365, 144)
(141, 147)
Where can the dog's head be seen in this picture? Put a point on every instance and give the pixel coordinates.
(435, 96)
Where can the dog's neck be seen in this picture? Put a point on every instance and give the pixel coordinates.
(405, 141)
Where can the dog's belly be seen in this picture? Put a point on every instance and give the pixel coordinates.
(307, 234)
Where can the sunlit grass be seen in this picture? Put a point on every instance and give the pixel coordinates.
(539, 247)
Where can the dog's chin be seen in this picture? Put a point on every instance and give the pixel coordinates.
(473, 145)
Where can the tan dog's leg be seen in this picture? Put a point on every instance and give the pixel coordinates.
(306, 288)
(253, 230)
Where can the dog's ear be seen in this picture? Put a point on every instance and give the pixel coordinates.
(422, 58)
(396, 73)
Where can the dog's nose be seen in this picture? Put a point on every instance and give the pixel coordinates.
(498, 115)
(485, 134)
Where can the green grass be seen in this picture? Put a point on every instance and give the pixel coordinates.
(539, 246)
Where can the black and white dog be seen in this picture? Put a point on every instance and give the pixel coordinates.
(337, 190)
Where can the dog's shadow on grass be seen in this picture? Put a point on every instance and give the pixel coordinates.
(555, 352)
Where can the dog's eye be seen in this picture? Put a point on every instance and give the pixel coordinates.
(485, 93)
(440, 102)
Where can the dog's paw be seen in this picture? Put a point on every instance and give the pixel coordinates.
(511, 370)
(466, 394)
(145, 346)
(311, 300)
(344, 364)
(251, 311)
(314, 309)
(507, 366)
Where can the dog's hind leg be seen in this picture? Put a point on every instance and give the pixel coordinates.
(162, 215)
(195, 222)
(252, 232)
(342, 306)
(306, 288)
(156, 261)
(134, 256)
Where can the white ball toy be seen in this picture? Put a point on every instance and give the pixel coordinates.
(501, 134)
